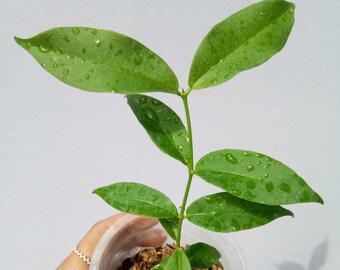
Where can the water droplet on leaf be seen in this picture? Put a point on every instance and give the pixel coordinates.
(43, 49)
(143, 100)
(138, 61)
(155, 102)
(65, 38)
(65, 72)
(236, 192)
(213, 81)
(270, 187)
(266, 166)
(285, 187)
(230, 158)
(250, 168)
(151, 115)
(75, 30)
(98, 43)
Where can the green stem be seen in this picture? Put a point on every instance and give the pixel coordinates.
(181, 216)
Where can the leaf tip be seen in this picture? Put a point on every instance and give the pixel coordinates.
(290, 213)
(18, 40)
(95, 191)
(23, 42)
(318, 199)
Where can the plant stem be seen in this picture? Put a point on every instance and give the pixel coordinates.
(181, 216)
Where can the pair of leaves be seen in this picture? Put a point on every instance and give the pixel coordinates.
(142, 200)
(199, 255)
(220, 212)
(105, 61)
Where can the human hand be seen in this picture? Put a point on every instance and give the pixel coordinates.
(138, 230)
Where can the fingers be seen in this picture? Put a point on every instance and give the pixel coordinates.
(106, 223)
(134, 225)
(90, 240)
(142, 223)
(153, 238)
(145, 236)
(129, 231)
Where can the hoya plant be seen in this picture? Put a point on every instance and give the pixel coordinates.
(253, 185)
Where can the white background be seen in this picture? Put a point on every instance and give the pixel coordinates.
(57, 143)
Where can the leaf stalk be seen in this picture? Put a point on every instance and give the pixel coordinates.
(181, 216)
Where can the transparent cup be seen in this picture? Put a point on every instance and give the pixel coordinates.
(115, 245)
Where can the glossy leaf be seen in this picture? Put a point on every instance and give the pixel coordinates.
(171, 226)
(201, 255)
(162, 264)
(223, 212)
(254, 177)
(178, 261)
(100, 61)
(138, 199)
(245, 40)
(163, 125)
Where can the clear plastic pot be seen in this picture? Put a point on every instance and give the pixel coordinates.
(115, 245)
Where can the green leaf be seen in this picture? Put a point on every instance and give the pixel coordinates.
(163, 125)
(223, 212)
(178, 261)
(137, 199)
(100, 61)
(243, 41)
(201, 255)
(162, 264)
(171, 226)
(254, 177)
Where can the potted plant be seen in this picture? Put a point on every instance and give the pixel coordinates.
(253, 185)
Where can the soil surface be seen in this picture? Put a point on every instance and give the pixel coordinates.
(150, 257)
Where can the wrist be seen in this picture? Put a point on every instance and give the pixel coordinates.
(73, 262)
